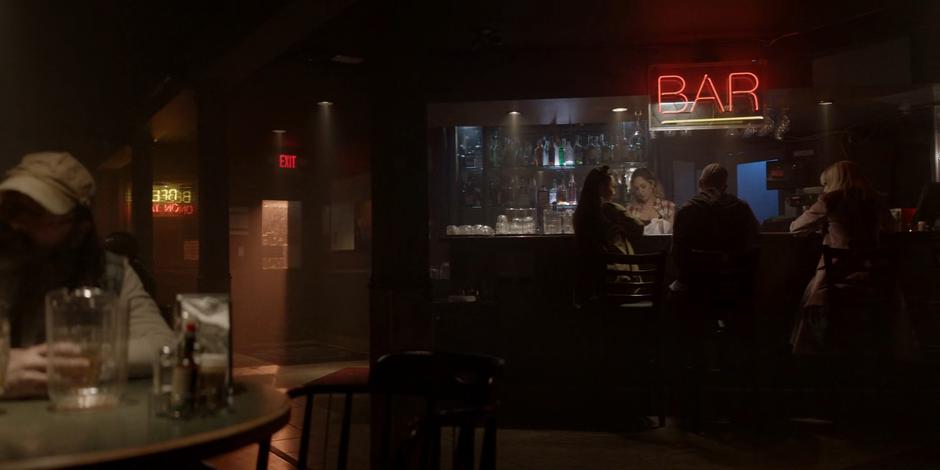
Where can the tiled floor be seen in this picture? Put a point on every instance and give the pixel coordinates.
(810, 444)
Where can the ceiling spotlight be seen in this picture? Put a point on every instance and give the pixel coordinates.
(279, 131)
(325, 103)
(824, 102)
(514, 113)
(619, 110)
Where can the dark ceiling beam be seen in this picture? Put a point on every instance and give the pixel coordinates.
(285, 28)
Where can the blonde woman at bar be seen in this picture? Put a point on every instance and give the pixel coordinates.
(649, 204)
(851, 216)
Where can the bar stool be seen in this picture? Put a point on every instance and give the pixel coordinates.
(631, 288)
(714, 307)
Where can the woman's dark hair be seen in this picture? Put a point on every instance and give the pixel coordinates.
(587, 216)
(122, 243)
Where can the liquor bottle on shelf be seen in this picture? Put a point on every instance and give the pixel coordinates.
(552, 152)
(569, 153)
(594, 152)
(624, 147)
(546, 149)
(508, 189)
(636, 139)
(542, 202)
(533, 192)
(561, 194)
(494, 151)
(537, 153)
(493, 190)
(470, 191)
(553, 192)
(521, 192)
(572, 189)
(560, 160)
(462, 153)
(578, 151)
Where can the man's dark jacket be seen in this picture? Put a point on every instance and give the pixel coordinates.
(712, 221)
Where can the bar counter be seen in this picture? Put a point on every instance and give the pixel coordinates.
(524, 310)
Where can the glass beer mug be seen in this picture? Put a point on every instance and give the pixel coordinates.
(86, 334)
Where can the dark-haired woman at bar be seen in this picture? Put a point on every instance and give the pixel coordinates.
(851, 216)
(601, 225)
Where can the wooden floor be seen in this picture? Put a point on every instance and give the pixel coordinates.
(787, 444)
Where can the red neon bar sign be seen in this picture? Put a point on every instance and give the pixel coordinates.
(705, 95)
(741, 85)
(287, 161)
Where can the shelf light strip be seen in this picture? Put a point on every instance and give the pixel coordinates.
(707, 120)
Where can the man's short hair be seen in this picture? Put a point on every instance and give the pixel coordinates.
(714, 176)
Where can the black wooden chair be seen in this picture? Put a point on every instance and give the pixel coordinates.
(456, 390)
(347, 382)
(629, 290)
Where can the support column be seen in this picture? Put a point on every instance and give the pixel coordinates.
(213, 204)
(400, 287)
(399, 291)
(141, 195)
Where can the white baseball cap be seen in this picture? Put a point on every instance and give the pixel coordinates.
(55, 180)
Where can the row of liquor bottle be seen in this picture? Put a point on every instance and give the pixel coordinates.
(526, 191)
(553, 151)
(520, 191)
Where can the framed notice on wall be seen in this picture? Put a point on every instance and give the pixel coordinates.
(343, 227)
(280, 234)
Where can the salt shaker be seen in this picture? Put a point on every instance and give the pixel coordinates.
(162, 381)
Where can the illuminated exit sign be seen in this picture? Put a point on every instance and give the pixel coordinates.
(716, 95)
(286, 160)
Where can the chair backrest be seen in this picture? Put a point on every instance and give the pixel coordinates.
(721, 276)
(438, 376)
(844, 265)
(858, 292)
(448, 382)
(631, 279)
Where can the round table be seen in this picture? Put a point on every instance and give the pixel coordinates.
(34, 436)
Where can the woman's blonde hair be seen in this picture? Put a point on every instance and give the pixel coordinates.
(842, 176)
(646, 174)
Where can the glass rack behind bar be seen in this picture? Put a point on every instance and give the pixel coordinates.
(502, 170)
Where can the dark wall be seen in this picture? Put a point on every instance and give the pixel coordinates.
(895, 154)
(326, 298)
